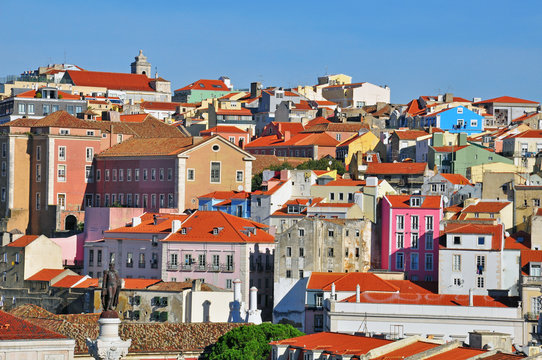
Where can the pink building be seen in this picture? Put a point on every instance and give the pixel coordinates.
(410, 233)
(209, 245)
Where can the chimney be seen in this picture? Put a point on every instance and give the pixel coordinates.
(237, 290)
(333, 295)
(155, 219)
(175, 226)
(448, 97)
(471, 297)
(358, 295)
(253, 299)
(255, 89)
(136, 221)
(287, 135)
(196, 285)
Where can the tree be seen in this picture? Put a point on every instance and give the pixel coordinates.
(323, 164)
(250, 342)
(257, 178)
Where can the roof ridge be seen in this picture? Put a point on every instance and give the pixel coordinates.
(234, 228)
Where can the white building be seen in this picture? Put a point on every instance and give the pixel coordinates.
(474, 259)
(356, 95)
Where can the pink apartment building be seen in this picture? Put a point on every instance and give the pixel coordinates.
(209, 245)
(410, 235)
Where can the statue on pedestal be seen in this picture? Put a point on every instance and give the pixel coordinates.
(111, 285)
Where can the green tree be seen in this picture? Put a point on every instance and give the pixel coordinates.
(323, 164)
(250, 342)
(257, 178)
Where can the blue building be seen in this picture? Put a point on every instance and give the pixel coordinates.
(235, 203)
(455, 120)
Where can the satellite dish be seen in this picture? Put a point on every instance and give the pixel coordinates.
(240, 188)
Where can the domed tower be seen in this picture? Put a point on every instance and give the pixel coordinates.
(141, 65)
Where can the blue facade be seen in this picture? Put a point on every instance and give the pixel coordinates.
(236, 207)
(456, 120)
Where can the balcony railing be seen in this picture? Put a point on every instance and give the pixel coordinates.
(197, 267)
(532, 280)
(531, 316)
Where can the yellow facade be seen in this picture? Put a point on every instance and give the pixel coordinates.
(364, 143)
(476, 173)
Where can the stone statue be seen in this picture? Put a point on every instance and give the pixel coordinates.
(111, 285)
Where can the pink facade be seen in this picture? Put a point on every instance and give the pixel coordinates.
(410, 233)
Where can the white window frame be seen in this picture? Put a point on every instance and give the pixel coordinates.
(61, 153)
(219, 172)
(237, 175)
(89, 153)
(64, 177)
(188, 177)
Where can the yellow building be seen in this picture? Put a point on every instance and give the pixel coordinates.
(476, 173)
(361, 142)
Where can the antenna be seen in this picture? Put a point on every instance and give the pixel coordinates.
(363, 325)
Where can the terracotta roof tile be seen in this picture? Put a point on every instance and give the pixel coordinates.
(496, 231)
(159, 105)
(460, 353)
(408, 350)
(15, 328)
(23, 241)
(506, 99)
(395, 168)
(223, 195)
(410, 134)
(426, 299)
(205, 84)
(223, 129)
(331, 126)
(243, 112)
(68, 281)
(486, 207)
(520, 241)
(134, 284)
(403, 201)
(456, 179)
(149, 147)
(109, 80)
(316, 121)
(46, 275)
(163, 224)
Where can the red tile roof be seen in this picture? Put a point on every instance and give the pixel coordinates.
(320, 139)
(351, 139)
(149, 147)
(413, 108)
(223, 195)
(410, 134)
(528, 256)
(335, 127)
(345, 182)
(302, 105)
(403, 201)
(460, 353)
(456, 179)
(292, 127)
(136, 284)
(425, 299)
(395, 168)
(244, 112)
(133, 118)
(316, 121)
(90, 282)
(147, 224)
(448, 149)
(23, 241)
(68, 281)
(57, 119)
(159, 105)
(519, 241)
(335, 343)
(226, 129)
(507, 100)
(205, 84)
(525, 117)
(64, 95)
(407, 350)
(110, 80)
(486, 207)
(349, 281)
(15, 328)
(231, 229)
(496, 231)
(528, 134)
(46, 275)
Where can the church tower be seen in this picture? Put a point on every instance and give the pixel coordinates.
(141, 65)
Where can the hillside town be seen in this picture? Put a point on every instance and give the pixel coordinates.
(378, 230)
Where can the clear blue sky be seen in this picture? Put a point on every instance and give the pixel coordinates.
(470, 48)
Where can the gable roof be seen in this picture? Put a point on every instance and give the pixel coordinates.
(403, 201)
(410, 134)
(110, 80)
(149, 147)
(223, 195)
(68, 281)
(338, 127)
(159, 105)
(528, 134)
(486, 207)
(46, 274)
(146, 225)
(496, 231)
(135, 284)
(23, 241)
(15, 328)
(316, 121)
(425, 299)
(456, 179)
(32, 94)
(206, 84)
(57, 119)
(405, 168)
(222, 129)
(507, 100)
(230, 229)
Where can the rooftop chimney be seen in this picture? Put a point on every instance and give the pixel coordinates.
(333, 295)
(136, 221)
(175, 226)
(196, 285)
(255, 89)
(155, 219)
(358, 295)
(287, 135)
(448, 97)
(237, 290)
(471, 297)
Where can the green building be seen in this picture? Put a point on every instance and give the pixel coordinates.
(456, 159)
(201, 90)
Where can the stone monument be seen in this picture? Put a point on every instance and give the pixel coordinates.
(109, 345)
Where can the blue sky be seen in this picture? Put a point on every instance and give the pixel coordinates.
(470, 48)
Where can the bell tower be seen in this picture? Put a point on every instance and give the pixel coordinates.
(141, 65)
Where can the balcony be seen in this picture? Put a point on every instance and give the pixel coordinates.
(141, 265)
(207, 268)
(172, 266)
(532, 280)
(531, 316)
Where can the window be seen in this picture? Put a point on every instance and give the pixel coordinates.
(229, 283)
(129, 200)
(106, 174)
(106, 200)
(54, 108)
(399, 260)
(460, 122)
(130, 259)
(341, 196)
(161, 174)
(442, 187)
(414, 240)
(400, 220)
(331, 196)
(136, 200)
(61, 201)
(162, 200)
(90, 132)
(121, 174)
(38, 172)
(301, 274)
(457, 240)
(480, 282)
(88, 174)
(91, 257)
(145, 175)
(4, 168)
(98, 174)
(288, 251)
(153, 174)
(169, 174)
(145, 200)
(141, 260)
(89, 154)
(61, 173)
(460, 110)
(215, 172)
(191, 175)
(414, 261)
(61, 153)
(38, 201)
(38, 153)
(46, 109)
(232, 139)
(3, 196)
(301, 232)
(458, 282)
(170, 202)
(429, 262)
(428, 223)
(456, 262)
(414, 222)
(153, 200)
(536, 202)
(239, 175)
(474, 123)
(30, 108)
(288, 274)
(136, 174)
(301, 252)
(400, 240)
(480, 264)
(229, 262)
(5, 149)
(434, 187)
(119, 138)
(114, 175)
(481, 240)
(98, 203)
(22, 108)
(330, 252)
(429, 240)
(330, 232)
